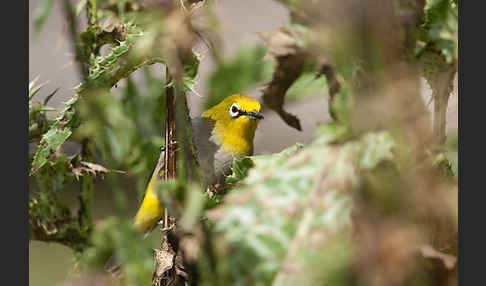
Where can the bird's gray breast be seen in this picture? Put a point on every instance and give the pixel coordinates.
(215, 163)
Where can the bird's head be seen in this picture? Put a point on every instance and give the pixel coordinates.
(236, 119)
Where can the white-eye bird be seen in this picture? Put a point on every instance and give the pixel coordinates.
(223, 132)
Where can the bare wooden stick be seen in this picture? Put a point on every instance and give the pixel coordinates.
(164, 273)
(170, 137)
(442, 88)
(170, 130)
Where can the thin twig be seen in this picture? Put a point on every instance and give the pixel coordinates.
(170, 130)
(169, 172)
(86, 193)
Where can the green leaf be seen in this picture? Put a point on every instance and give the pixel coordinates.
(240, 170)
(440, 30)
(118, 239)
(291, 150)
(31, 84)
(34, 89)
(105, 121)
(50, 143)
(193, 207)
(121, 61)
(41, 14)
(436, 11)
(330, 133)
(306, 85)
(190, 72)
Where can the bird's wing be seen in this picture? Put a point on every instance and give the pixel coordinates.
(213, 160)
(205, 147)
(159, 168)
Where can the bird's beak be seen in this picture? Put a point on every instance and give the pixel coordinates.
(254, 114)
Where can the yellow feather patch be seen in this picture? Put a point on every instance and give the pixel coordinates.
(151, 211)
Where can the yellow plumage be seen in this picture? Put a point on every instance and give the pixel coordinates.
(228, 132)
(151, 210)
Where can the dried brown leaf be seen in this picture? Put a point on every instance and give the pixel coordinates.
(283, 45)
(92, 167)
(78, 172)
(431, 253)
(88, 167)
(164, 257)
(281, 42)
(164, 260)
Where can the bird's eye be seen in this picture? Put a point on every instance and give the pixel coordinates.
(234, 110)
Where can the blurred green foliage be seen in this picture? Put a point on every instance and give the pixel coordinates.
(118, 236)
(440, 28)
(308, 84)
(284, 192)
(41, 14)
(452, 151)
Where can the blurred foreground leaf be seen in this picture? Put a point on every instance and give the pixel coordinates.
(114, 236)
(308, 84)
(452, 151)
(440, 30)
(282, 221)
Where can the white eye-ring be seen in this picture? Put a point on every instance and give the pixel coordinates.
(234, 110)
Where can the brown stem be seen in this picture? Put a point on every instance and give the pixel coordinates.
(165, 274)
(170, 131)
(182, 267)
(441, 92)
(85, 196)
